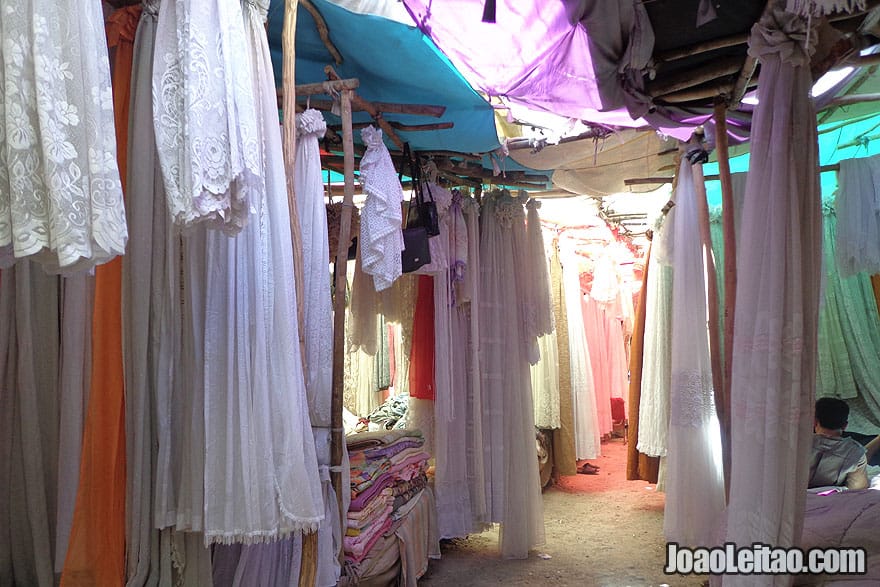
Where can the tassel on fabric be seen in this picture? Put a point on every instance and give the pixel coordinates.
(822, 7)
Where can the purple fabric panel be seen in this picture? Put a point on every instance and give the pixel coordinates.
(536, 52)
(358, 503)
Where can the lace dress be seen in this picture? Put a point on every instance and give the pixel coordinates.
(260, 472)
(60, 193)
(205, 117)
(381, 239)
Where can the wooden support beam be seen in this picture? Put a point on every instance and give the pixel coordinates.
(851, 99)
(337, 436)
(722, 397)
(358, 102)
(705, 46)
(709, 90)
(322, 88)
(860, 61)
(694, 77)
(403, 127)
(309, 548)
(323, 31)
(387, 108)
(662, 180)
(743, 82)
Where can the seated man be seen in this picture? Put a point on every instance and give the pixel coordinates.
(836, 460)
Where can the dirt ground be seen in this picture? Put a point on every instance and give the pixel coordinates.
(601, 530)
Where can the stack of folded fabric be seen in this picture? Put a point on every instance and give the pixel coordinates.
(388, 473)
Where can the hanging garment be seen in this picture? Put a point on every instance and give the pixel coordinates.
(60, 193)
(848, 338)
(155, 389)
(774, 347)
(421, 360)
(587, 433)
(468, 301)
(858, 216)
(694, 473)
(654, 402)
(318, 311)
(29, 414)
(206, 122)
(564, 454)
(96, 550)
(381, 238)
(260, 474)
(638, 464)
(513, 489)
(545, 373)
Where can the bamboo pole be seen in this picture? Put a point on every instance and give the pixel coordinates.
(722, 404)
(694, 77)
(709, 45)
(711, 285)
(309, 559)
(336, 431)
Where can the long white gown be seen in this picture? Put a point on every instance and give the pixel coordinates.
(513, 489)
(60, 194)
(694, 474)
(656, 361)
(587, 435)
(260, 479)
(318, 309)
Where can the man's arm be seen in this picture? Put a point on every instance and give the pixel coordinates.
(872, 447)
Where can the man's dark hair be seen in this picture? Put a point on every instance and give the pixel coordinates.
(832, 413)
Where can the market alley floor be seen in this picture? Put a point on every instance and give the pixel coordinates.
(601, 530)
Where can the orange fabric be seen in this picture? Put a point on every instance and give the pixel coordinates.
(638, 465)
(96, 553)
(421, 357)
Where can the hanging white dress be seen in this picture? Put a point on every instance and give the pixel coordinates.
(772, 388)
(381, 238)
(318, 309)
(587, 435)
(60, 194)
(206, 129)
(656, 365)
(261, 479)
(694, 474)
(512, 483)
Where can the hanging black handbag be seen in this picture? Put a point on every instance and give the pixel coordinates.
(416, 251)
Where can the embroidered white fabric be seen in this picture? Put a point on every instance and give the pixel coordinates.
(694, 474)
(317, 306)
(774, 347)
(205, 114)
(60, 194)
(381, 238)
(260, 478)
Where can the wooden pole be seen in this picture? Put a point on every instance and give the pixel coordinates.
(722, 403)
(711, 285)
(308, 571)
(336, 430)
(362, 104)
